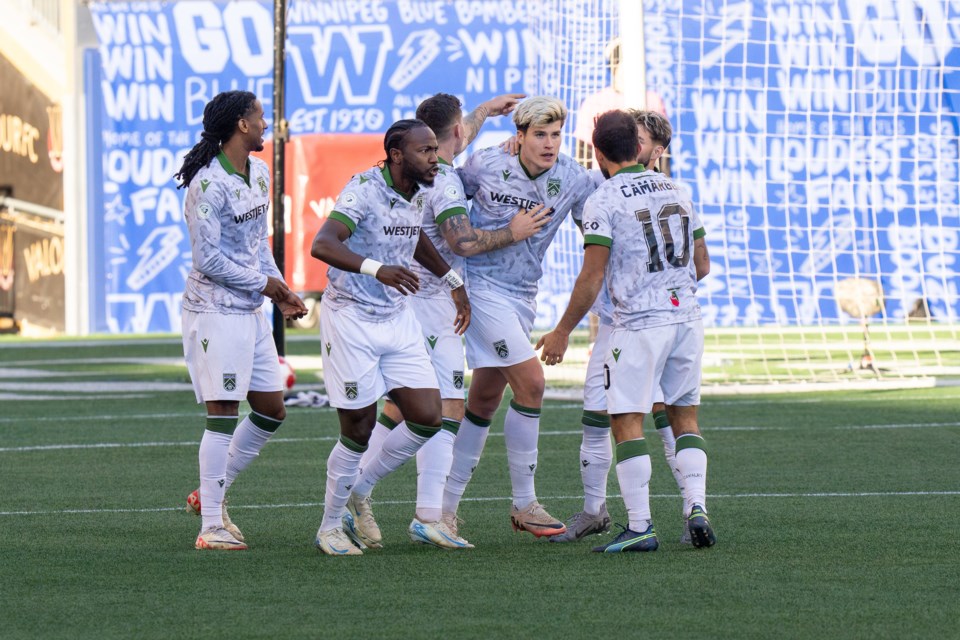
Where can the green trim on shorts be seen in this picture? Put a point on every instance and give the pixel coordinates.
(595, 419)
(387, 421)
(451, 425)
(477, 420)
(422, 430)
(222, 424)
(264, 422)
(690, 441)
(660, 420)
(356, 447)
(632, 449)
(530, 412)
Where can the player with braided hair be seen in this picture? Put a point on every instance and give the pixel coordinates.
(372, 342)
(227, 340)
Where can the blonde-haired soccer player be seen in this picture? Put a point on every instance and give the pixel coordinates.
(503, 289)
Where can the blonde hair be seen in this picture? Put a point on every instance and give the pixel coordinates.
(539, 111)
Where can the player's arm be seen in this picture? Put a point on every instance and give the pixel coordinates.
(585, 291)
(427, 255)
(289, 303)
(499, 106)
(466, 241)
(329, 246)
(701, 257)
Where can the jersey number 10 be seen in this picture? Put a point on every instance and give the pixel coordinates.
(669, 246)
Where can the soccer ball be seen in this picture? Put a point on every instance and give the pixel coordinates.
(287, 375)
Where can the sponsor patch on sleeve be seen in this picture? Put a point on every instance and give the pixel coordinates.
(204, 210)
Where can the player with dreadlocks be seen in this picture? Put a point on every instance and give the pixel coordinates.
(372, 342)
(227, 340)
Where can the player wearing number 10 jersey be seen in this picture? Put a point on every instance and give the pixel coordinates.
(641, 233)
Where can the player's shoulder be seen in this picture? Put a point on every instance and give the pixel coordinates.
(568, 165)
(370, 179)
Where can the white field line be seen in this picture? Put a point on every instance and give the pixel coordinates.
(574, 432)
(319, 505)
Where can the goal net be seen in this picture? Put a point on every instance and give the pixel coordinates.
(819, 140)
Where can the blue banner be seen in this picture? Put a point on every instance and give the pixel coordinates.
(820, 140)
(353, 66)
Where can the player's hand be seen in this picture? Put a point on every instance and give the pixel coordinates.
(292, 307)
(462, 321)
(276, 289)
(554, 346)
(510, 146)
(528, 221)
(400, 278)
(502, 105)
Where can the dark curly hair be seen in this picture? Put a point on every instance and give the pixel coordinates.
(220, 118)
(395, 135)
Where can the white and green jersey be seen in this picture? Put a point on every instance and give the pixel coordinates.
(226, 214)
(602, 307)
(384, 226)
(443, 200)
(650, 224)
(500, 186)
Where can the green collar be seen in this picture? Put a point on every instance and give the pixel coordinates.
(389, 180)
(442, 161)
(634, 168)
(530, 175)
(225, 163)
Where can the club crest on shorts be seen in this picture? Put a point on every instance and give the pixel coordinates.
(553, 186)
(229, 381)
(350, 388)
(502, 350)
(458, 379)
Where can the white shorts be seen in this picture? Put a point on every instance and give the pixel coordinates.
(594, 392)
(363, 359)
(229, 355)
(637, 362)
(499, 331)
(445, 348)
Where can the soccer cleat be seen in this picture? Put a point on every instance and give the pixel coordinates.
(335, 543)
(685, 536)
(582, 524)
(701, 533)
(193, 506)
(436, 534)
(452, 521)
(629, 540)
(535, 520)
(359, 524)
(219, 539)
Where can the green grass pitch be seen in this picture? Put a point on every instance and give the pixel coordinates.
(835, 515)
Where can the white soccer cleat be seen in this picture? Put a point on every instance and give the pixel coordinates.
(193, 506)
(436, 534)
(335, 543)
(359, 524)
(218, 539)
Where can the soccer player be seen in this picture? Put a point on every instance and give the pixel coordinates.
(596, 455)
(371, 339)
(503, 289)
(446, 223)
(227, 341)
(641, 236)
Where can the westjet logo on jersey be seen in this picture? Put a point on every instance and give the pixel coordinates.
(401, 231)
(253, 214)
(505, 198)
(630, 190)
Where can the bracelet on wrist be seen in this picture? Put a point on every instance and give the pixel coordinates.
(453, 279)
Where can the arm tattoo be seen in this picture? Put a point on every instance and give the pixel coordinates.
(472, 123)
(467, 241)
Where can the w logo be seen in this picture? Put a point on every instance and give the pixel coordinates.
(339, 62)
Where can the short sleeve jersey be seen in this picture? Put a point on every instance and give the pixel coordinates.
(384, 226)
(650, 225)
(226, 214)
(442, 201)
(602, 307)
(500, 187)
